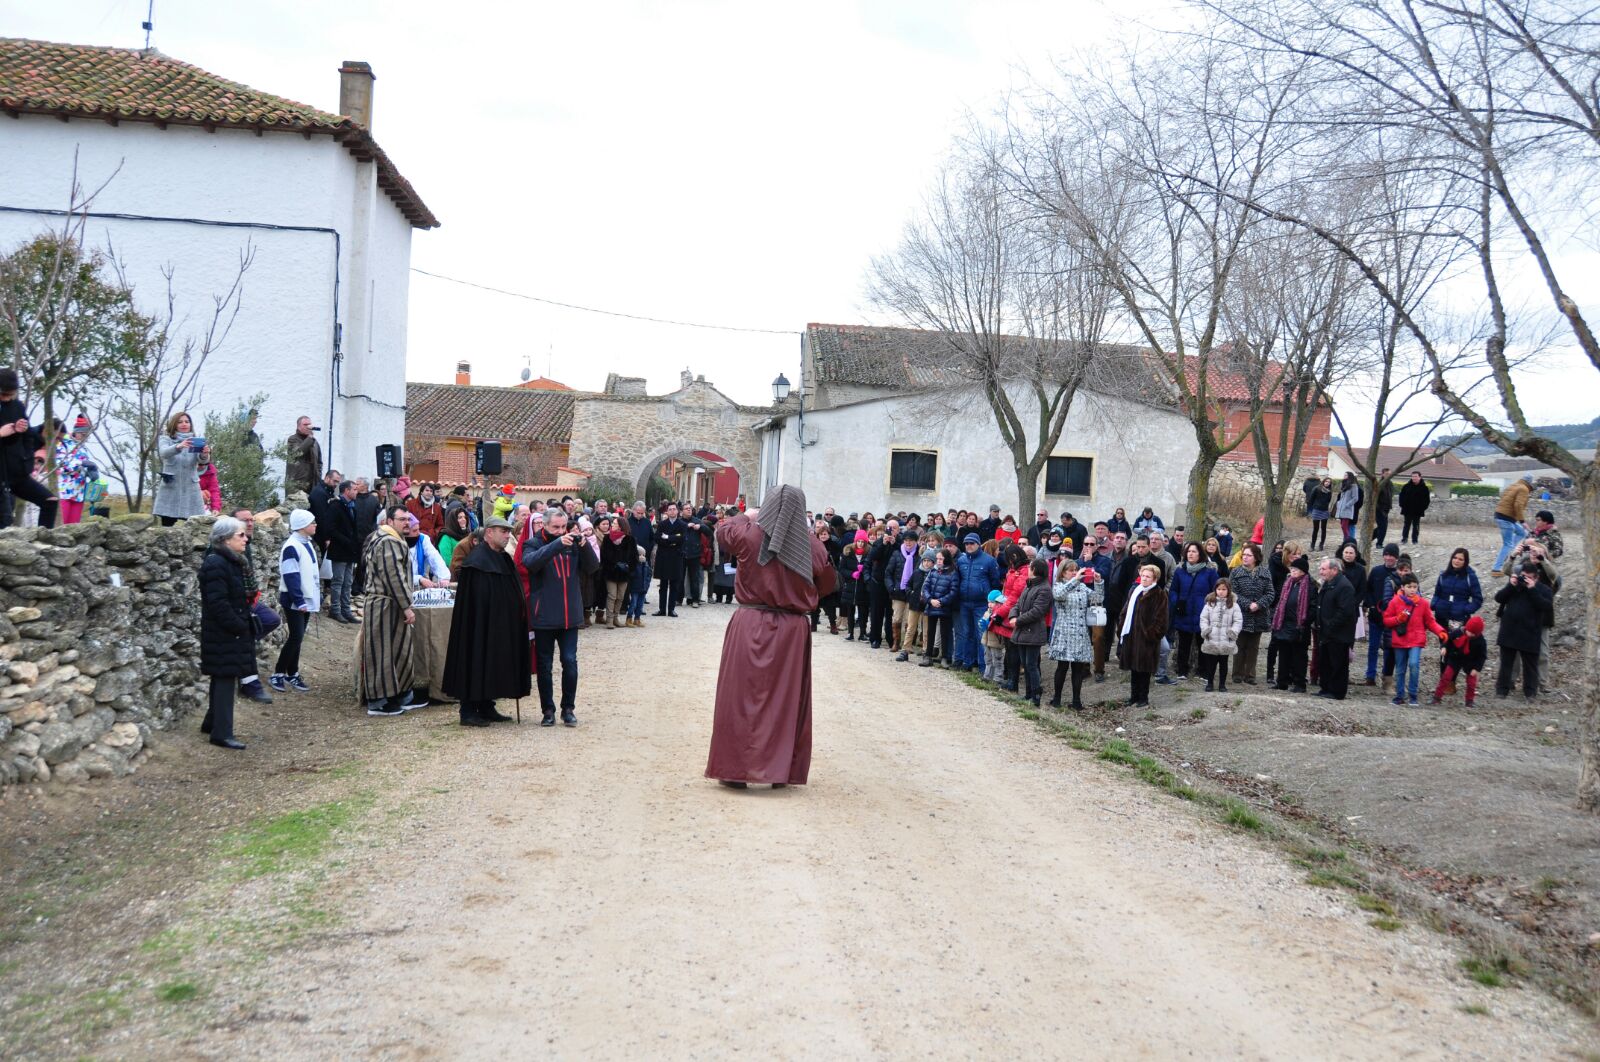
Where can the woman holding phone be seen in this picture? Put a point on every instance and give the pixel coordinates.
(182, 454)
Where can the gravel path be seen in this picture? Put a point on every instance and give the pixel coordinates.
(953, 883)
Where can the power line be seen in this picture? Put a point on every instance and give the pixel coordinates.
(607, 313)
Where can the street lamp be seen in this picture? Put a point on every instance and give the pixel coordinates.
(780, 388)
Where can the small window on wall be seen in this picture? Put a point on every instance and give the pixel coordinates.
(1069, 475)
(913, 470)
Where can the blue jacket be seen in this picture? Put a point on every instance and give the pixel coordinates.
(979, 573)
(1189, 592)
(943, 585)
(1383, 582)
(1456, 595)
(555, 581)
(641, 578)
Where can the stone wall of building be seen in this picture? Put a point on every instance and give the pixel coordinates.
(99, 641)
(628, 438)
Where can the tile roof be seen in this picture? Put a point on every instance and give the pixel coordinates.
(505, 413)
(910, 358)
(913, 358)
(543, 383)
(127, 84)
(1446, 466)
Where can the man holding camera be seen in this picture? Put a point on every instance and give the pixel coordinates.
(558, 562)
(303, 468)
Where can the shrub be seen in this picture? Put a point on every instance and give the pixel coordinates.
(243, 472)
(658, 492)
(608, 487)
(1474, 490)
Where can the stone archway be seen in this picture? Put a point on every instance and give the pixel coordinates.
(627, 437)
(641, 478)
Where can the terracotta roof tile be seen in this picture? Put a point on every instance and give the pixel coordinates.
(127, 84)
(506, 413)
(1446, 466)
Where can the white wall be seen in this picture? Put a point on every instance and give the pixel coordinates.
(281, 343)
(1141, 455)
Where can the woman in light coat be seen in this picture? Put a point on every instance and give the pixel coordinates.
(1071, 645)
(178, 489)
(1221, 622)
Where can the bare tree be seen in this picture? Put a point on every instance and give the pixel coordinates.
(1109, 155)
(1019, 313)
(129, 420)
(1295, 318)
(1499, 98)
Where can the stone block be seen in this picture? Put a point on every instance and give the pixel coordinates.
(22, 614)
(70, 772)
(22, 744)
(58, 742)
(123, 682)
(24, 671)
(31, 712)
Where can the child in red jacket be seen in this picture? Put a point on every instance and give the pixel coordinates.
(1465, 654)
(1410, 617)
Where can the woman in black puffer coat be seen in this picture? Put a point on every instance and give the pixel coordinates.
(227, 640)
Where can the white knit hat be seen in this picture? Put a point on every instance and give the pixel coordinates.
(301, 519)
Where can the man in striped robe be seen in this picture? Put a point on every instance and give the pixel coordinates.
(387, 617)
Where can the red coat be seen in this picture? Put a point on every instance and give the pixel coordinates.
(1003, 537)
(1411, 620)
(430, 518)
(1010, 592)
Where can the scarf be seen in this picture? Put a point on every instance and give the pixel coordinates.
(1302, 600)
(615, 534)
(784, 532)
(908, 569)
(422, 556)
(1133, 601)
(1192, 568)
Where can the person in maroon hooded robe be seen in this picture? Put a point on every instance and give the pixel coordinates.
(762, 728)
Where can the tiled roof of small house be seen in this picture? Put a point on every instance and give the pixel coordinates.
(129, 84)
(455, 412)
(912, 358)
(1445, 466)
(909, 359)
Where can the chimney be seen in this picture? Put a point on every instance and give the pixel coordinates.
(463, 374)
(685, 378)
(355, 92)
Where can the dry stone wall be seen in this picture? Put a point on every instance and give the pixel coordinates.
(99, 641)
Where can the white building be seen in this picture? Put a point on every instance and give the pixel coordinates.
(895, 432)
(198, 167)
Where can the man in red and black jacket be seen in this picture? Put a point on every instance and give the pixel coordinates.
(557, 561)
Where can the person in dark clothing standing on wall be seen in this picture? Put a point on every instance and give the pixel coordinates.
(19, 441)
(669, 535)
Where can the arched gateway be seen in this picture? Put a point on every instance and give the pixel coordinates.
(626, 434)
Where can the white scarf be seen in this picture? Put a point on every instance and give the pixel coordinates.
(1133, 601)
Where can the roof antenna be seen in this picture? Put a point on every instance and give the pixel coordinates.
(149, 23)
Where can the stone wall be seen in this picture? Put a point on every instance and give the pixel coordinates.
(1481, 511)
(99, 641)
(628, 438)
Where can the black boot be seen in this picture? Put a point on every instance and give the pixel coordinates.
(549, 718)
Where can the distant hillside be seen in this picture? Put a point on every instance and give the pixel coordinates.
(1572, 436)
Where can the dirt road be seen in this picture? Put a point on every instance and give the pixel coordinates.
(952, 883)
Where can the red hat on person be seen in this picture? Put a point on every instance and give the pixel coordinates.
(81, 423)
(508, 490)
(1474, 625)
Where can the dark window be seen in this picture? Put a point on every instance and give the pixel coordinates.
(913, 470)
(1068, 475)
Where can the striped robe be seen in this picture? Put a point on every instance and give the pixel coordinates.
(385, 634)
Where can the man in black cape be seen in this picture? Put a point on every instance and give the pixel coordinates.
(488, 653)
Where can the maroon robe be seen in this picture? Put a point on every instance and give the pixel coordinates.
(762, 728)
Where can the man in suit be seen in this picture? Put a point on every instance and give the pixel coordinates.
(1337, 606)
(669, 536)
(344, 550)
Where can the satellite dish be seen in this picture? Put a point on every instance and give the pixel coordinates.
(527, 374)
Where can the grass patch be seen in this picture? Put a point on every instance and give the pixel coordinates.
(1546, 885)
(178, 991)
(281, 842)
(1368, 902)
(1474, 1008)
(1330, 878)
(1237, 814)
(1119, 751)
(1494, 971)
(1197, 713)
(1388, 925)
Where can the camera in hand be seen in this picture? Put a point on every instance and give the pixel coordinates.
(198, 442)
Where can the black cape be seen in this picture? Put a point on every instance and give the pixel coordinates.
(488, 653)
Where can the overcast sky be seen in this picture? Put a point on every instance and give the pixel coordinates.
(733, 163)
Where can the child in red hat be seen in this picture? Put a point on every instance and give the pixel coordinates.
(1465, 653)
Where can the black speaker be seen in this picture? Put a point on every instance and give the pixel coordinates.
(488, 458)
(389, 461)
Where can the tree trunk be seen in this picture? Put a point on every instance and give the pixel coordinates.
(48, 431)
(1272, 527)
(1027, 492)
(1199, 494)
(1369, 518)
(1589, 743)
